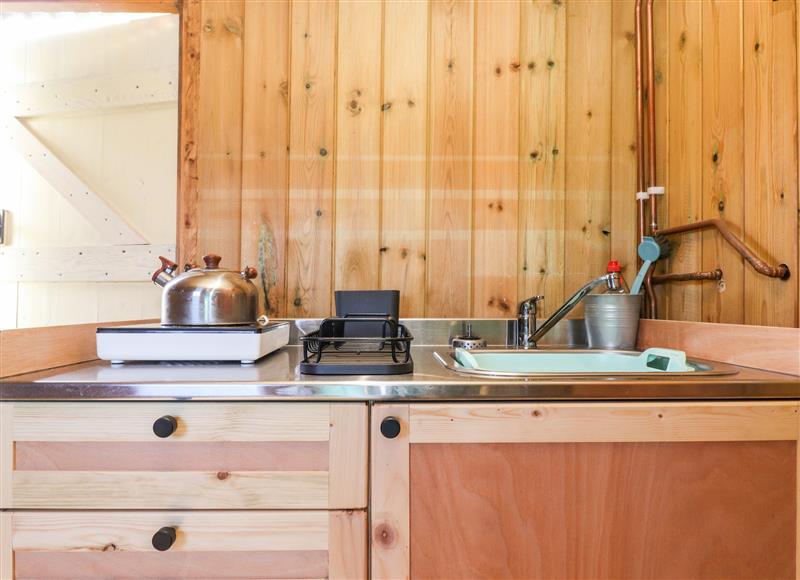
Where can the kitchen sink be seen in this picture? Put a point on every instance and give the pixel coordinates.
(569, 362)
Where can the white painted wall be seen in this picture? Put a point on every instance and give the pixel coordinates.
(127, 155)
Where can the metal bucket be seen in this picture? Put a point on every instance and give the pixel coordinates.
(612, 320)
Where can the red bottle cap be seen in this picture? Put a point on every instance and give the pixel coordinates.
(613, 266)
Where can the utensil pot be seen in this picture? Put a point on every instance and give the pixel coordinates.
(612, 320)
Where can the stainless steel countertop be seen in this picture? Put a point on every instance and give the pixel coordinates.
(275, 378)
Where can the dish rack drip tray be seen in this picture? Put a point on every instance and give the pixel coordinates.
(339, 347)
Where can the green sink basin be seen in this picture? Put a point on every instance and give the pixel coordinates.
(521, 363)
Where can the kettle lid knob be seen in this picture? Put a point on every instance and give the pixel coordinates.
(212, 261)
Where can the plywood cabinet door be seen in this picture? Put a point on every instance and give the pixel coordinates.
(170, 544)
(183, 455)
(584, 490)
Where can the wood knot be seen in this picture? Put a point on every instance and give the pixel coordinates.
(411, 104)
(223, 475)
(298, 302)
(514, 66)
(534, 155)
(498, 71)
(504, 305)
(353, 107)
(404, 253)
(233, 26)
(536, 413)
(385, 535)
(451, 64)
(112, 547)
(323, 152)
(531, 65)
(550, 63)
(318, 213)
(208, 27)
(386, 106)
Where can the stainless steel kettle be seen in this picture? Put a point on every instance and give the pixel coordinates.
(207, 296)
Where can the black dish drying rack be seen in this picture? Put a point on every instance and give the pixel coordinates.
(358, 345)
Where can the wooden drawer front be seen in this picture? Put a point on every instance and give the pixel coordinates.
(217, 544)
(221, 456)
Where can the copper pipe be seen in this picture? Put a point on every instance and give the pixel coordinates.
(652, 302)
(666, 278)
(651, 116)
(640, 178)
(780, 271)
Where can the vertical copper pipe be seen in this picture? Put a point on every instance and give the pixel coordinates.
(640, 167)
(651, 116)
(652, 301)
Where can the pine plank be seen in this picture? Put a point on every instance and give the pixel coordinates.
(723, 161)
(358, 145)
(449, 253)
(219, 148)
(541, 150)
(603, 422)
(588, 137)
(390, 494)
(496, 170)
(265, 145)
(404, 154)
(686, 152)
(198, 531)
(624, 236)
(311, 164)
(770, 157)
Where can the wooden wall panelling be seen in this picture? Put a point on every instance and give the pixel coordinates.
(188, 121)
(358, 145)
(220, 130)
(770, 154)
(449, 262)
(311, 160)
(588, 141)
(404, 153)
(660, 93)
(265, 146)
(624, 236)
(496, 169)
(685, 29)
(541, 150)
(723, 133)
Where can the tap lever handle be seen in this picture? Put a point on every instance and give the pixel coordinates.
(531, 304)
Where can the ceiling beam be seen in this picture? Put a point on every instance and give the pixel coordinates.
(170, 6)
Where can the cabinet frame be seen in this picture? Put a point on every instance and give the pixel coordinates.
(545, 423)
(340, 428)
(334, 540)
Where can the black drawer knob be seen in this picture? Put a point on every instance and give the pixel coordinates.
(390, 427)
(165, 426)
(164, 538)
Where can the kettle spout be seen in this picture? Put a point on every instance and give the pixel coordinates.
(165, 273)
